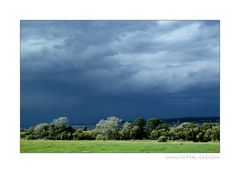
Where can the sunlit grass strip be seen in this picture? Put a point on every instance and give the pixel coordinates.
(131, 146)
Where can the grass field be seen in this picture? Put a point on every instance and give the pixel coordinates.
(143, 146)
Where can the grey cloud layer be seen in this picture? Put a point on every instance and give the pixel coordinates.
(86, 60)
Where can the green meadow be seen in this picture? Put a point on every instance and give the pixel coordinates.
(116, 146)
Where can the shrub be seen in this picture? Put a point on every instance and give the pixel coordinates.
(209, 132)
(23, 135)
(215, 133)
(89, 135)
(135, 132)
(155, 134)
(151, 125)
(41, 131)
(101, 137)
(126, 132)
(60, 132)
(139, 131)
(200, 137)
(162, 139)
(163, 126)
(30, 137)
(109, 128)
(61, 122)
(77, 133)
(84, 135)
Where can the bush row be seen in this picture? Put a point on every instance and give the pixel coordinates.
(112, 129)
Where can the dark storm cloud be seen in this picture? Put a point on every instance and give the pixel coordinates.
(88, 70)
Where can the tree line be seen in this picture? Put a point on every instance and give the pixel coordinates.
(113, 129)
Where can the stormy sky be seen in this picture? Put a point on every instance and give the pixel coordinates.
(89, 70)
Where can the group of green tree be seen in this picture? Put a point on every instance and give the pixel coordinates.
(113, 129)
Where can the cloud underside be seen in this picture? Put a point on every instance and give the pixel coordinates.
(126, 67)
